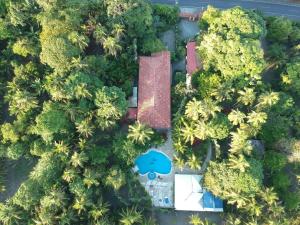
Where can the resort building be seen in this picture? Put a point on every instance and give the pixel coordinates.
(154, 90)
(190, 196)
(151, 105)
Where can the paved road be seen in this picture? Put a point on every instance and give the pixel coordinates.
(273, 9)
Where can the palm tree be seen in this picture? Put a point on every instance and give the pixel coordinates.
(239, 143)
(67, 217)
(247, 96)
(188, 132)
(81, 204)
(210, 108)
(118, 30)
(202, 131)
(195, 220)
(179, 162)
(99, 210)
(99, 33)
(77, 62)
(193, 109)
(115, 178)
(22, 102)
(130, 216)
(276, 210)
(232, 219)
(9, 214)
(140, 133)
(235, 198)
(193, 162)
(269, 196)
(69, 174)
(57, 197)
(90, 178)
(239, 162)
(79, 159)
(85, 128)
(257, 118)
(254, 208)
(236, 117)
(253, 222)
(267, 99)
(82, 91)
(61, 147)
(179, 146)
(80, 40)
(111, 46)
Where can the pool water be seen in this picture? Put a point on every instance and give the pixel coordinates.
(152, 163)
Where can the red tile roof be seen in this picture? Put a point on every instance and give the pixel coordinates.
(154, 91)
(193, 62)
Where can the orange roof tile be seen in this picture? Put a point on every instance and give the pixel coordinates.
(154, 91)
(193, 63)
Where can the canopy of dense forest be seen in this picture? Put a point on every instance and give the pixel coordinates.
(67, 68)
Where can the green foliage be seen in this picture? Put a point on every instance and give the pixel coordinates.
(140, 133)
(279, 29)
(245, 23)
(25, 47)
(223, 52)
(10, 214)
(152, 45)
(58, 53)
(223, 181)
(9, 133)
(274, 161)
(281, 181)
(126, 150)
(224, 55)
(291, 76)
(111, 106)
(220, 127)
(278, 122)
(165, 16)
(53, 120)
(115, 178)
(291, 200)
(28, 195)
(65, 69)
(277, 51)
(15, 151)
(207, 83)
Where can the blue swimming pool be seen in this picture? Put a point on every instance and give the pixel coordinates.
(152, 163)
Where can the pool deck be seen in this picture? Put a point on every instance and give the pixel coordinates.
(163, 186)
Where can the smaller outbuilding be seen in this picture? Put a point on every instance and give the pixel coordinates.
(190, 196)
(192, 60)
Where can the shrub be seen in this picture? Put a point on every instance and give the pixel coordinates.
(221, 180)
(279, 29)
(152, 45)
(25, 47)
(291, 200)
(165, 16)
(275, 161)
(281, 181)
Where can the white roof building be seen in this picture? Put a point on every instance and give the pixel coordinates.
(190, 196)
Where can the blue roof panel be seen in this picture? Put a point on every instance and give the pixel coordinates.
(211, 201)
